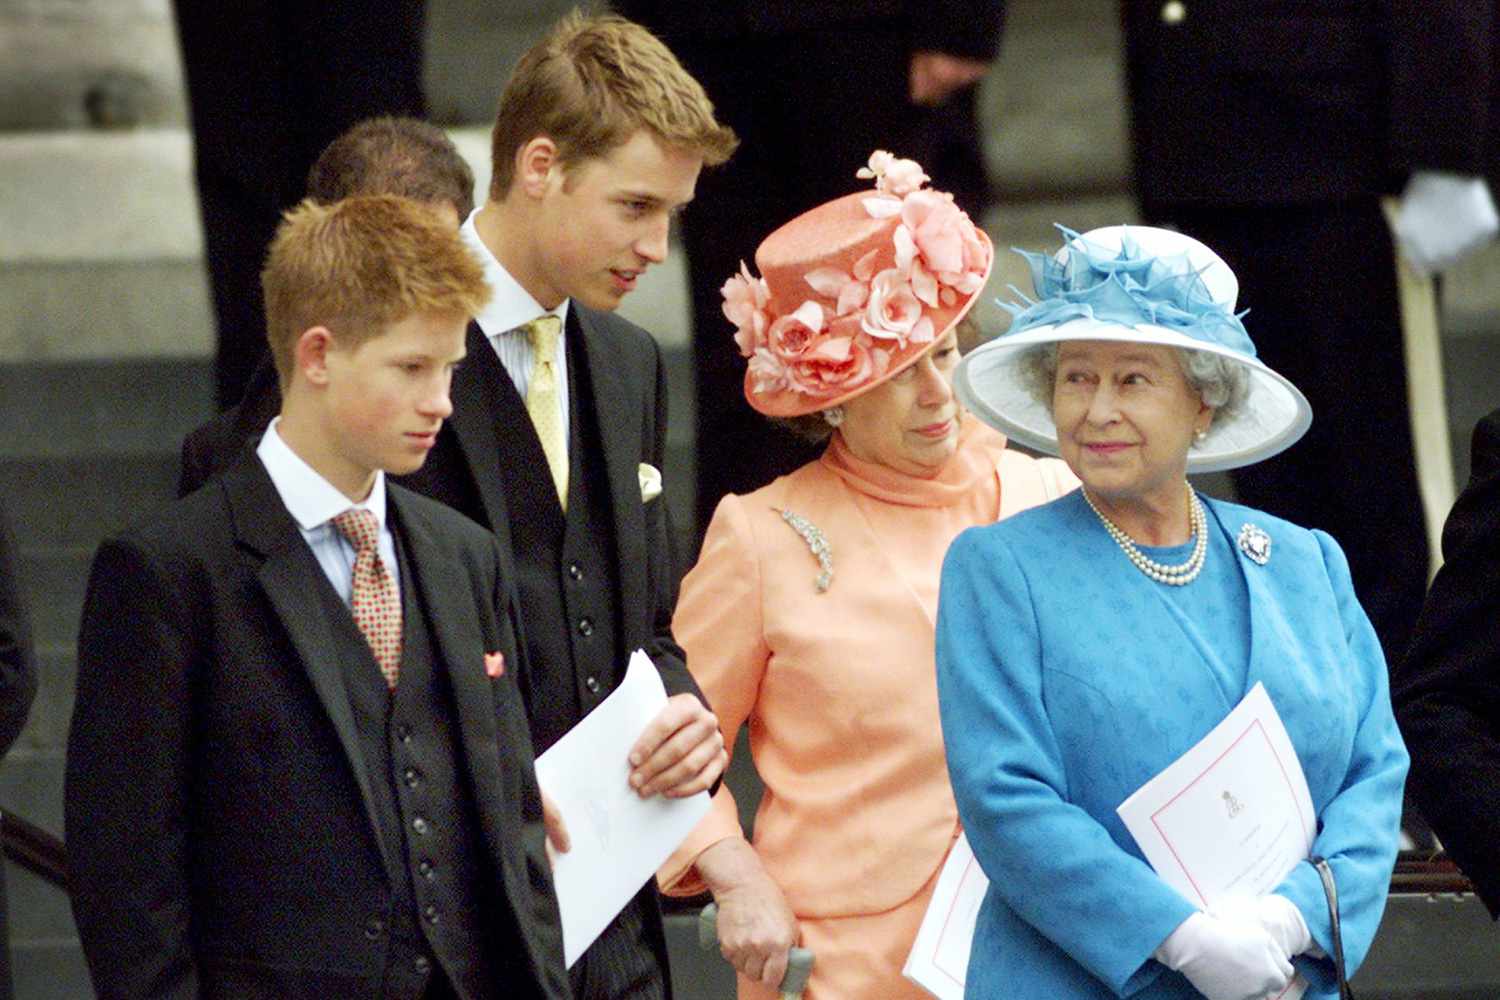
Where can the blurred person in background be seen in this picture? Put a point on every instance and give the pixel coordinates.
(1271, 131)
(269, 85)
(809, 87)
(1447, 692)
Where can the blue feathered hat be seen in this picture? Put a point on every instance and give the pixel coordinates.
(1133, 284)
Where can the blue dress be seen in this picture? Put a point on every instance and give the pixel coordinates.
(1067, 679)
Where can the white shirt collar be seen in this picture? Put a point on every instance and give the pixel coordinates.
(309, 498)
(510, 304)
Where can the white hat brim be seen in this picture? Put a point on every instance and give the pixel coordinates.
(988, 383)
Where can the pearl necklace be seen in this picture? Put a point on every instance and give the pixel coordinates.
(1172, 576)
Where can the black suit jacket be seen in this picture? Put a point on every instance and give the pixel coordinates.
(1296, 101)
(1447, 693)
(630, 404)
(221, 835)
(216, 445)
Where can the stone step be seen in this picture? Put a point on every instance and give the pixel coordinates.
(50, 970)
(100, 407)
(52, 710)
(75, 500)
(88, 62)
(36, 909)
(53, 582)
(86, 273)
(31, 785)
(111, 309)
(1054, 126)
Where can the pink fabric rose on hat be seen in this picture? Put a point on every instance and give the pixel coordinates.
(893, 312)
(745, 300)
(769, 372)
(849, 291)
(893, 175)
(937, 227)
(836, 364)
(791, 335)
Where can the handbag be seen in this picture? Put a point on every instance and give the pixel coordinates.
(1331, 892)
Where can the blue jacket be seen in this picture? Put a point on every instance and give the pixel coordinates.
(1066, 681)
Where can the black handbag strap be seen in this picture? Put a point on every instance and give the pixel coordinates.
(1331, 892)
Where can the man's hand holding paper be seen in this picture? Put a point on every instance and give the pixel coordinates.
(680, 752)
(618, 835)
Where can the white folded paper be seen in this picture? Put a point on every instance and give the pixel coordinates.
(940, 955)
(619, 839)
(1231, 816)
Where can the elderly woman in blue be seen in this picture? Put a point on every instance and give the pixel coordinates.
(1084, 645)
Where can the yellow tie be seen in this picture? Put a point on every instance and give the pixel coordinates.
(542, 399)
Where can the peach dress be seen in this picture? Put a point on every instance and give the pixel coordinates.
(839, 691)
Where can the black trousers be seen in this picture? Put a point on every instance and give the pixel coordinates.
(809, 108)
(628, 960)
(270, 83)
(1320, 284)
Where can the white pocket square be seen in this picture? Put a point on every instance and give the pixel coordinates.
(650, 477)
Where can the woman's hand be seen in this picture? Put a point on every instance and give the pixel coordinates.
(1277, 914)
(756, 926)
(1226, 959)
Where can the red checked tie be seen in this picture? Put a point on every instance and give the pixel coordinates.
(376, 606)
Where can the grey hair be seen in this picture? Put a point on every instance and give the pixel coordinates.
(1220, 382)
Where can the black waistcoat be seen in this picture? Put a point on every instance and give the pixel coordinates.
(565, 562)
(442, 899)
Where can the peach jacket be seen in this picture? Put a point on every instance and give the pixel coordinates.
(839, 688)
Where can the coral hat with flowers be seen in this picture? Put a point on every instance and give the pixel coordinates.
(854, 291)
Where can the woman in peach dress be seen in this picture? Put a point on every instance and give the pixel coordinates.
(810, 613)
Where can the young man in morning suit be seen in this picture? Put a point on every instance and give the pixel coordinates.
(404, 156)
(299, 765)
(599, 138)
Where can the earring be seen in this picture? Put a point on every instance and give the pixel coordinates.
(833, 416)
(1200, 435)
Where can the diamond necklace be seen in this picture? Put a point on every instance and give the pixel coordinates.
(1172, 576)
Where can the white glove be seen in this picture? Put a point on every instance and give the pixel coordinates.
(1277, 914)
(1443, 217)
(1226, 959)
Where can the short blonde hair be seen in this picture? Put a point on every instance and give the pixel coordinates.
(359, 265)
(589, 86)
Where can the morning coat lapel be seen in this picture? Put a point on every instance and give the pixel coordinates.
(442, 584)
(476, 406)
(613, 413)
(291, 578)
